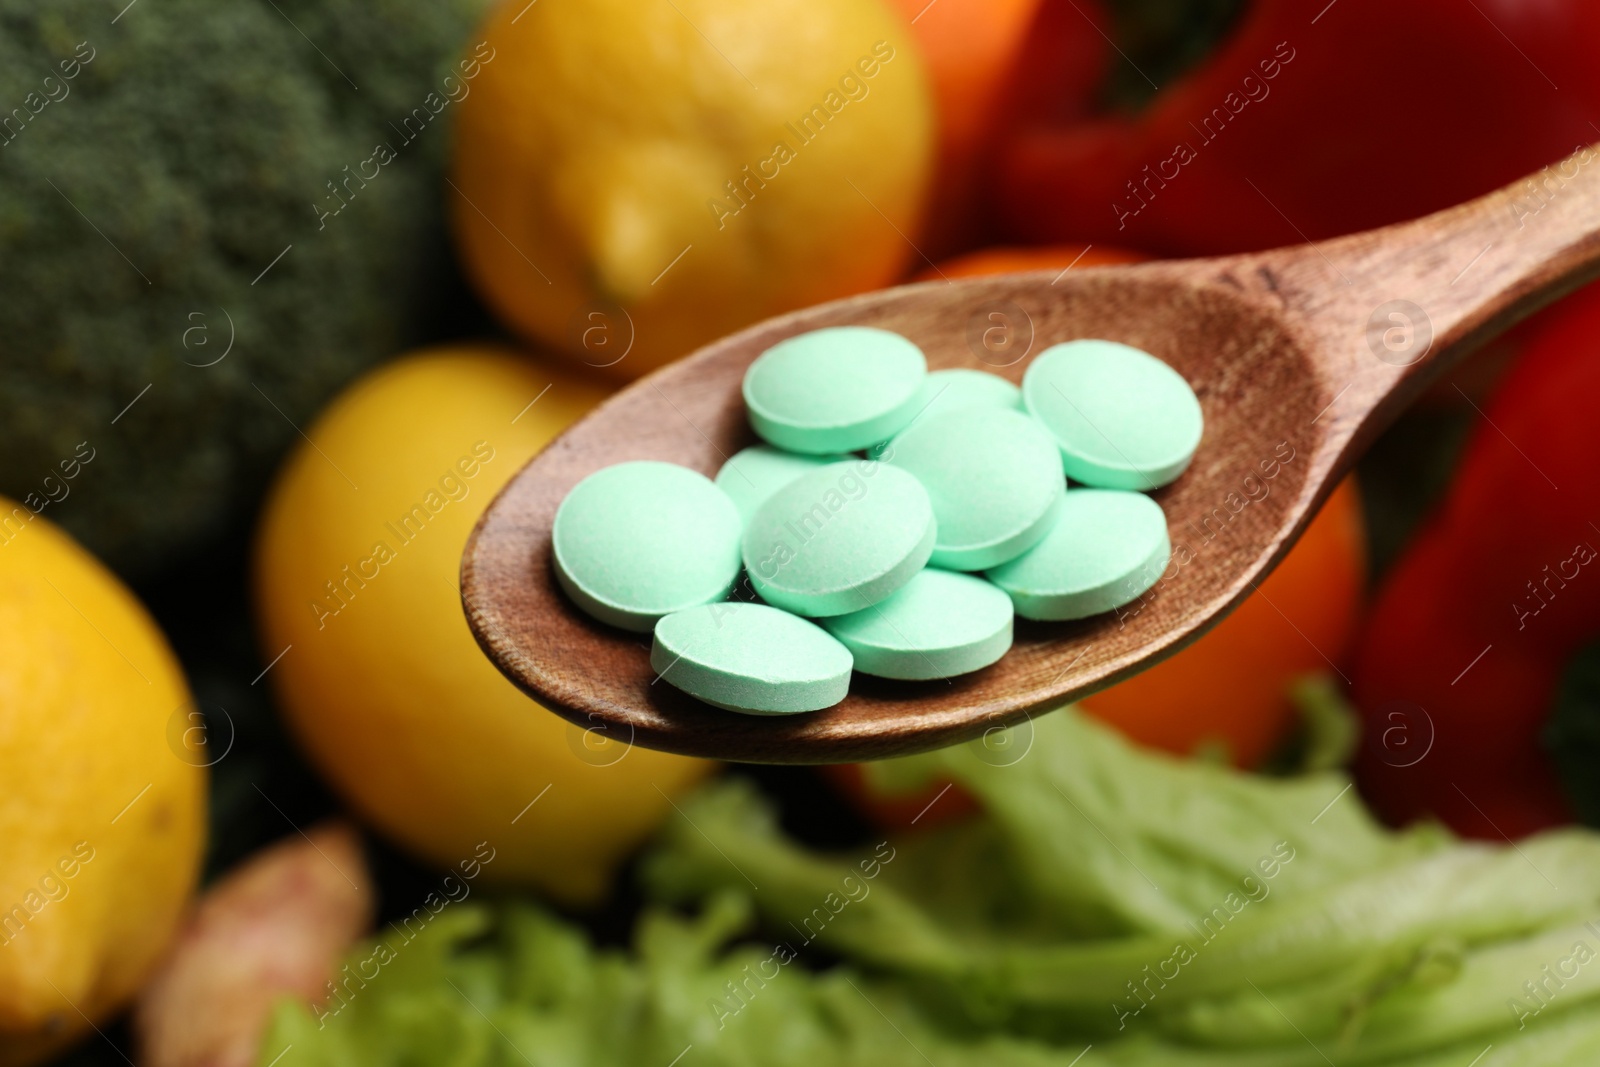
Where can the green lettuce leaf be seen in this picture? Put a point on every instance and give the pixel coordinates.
(1109, 907)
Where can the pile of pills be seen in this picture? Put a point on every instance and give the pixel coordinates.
(894, 522)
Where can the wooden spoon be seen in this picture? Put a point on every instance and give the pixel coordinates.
(1300, 356)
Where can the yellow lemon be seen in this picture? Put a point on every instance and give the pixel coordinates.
(356, 587)
(632, 180)
(102, 789)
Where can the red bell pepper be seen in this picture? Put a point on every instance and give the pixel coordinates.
(1496, 601)
(1319, 118)
(990, 62)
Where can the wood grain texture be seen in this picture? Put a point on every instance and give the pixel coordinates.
(1282, 348)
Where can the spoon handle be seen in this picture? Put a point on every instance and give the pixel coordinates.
(1391, 309)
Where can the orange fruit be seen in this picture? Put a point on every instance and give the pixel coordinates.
(971, 48)
(1020, 260)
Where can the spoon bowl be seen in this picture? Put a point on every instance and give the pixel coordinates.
(1298, 356)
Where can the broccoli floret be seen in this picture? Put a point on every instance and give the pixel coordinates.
(155, 160)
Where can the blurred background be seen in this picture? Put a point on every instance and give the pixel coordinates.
(278, 274)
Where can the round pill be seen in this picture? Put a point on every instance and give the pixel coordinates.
(994, 477)
(839, 539)
(960, 388)
(834, 390)
(1106, 549)
(753, 474)
(637, 541)
(1123, 418)
(751, 658)
(937, 625)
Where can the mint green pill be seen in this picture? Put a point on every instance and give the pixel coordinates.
(1123, 418)
(834, 390)
(994, 477)
(1106, 549)
(959, 388)
(753, 474)
(751, 658)
(839, 539)
(938, 625)
(636, 541)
